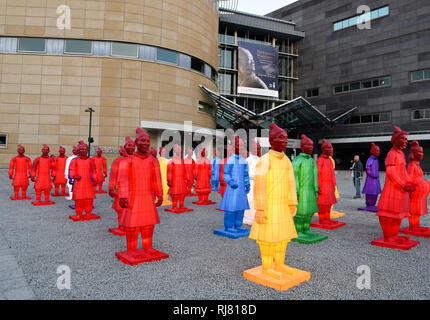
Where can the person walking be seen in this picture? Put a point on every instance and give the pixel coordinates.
(357, 174)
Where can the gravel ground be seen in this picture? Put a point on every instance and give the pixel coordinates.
(202, 265)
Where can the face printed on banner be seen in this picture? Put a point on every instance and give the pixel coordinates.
(306, 144)
(278, 138)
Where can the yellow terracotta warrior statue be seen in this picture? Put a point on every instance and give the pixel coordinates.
(163, 168)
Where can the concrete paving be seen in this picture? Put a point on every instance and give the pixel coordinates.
(37, 240)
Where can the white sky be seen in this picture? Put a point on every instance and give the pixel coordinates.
(262, 7)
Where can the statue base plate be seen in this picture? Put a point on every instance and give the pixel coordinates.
(370, 209)
(42, 203)
(327, 224)
(309, 237)
(133, 258)
(286, 282)
(232, 234)
(402, 243)
(417, 232)
(178, 210)
(85, 217)
(20, 198)
(117, 232)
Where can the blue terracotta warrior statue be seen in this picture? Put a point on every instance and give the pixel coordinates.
(235, 201)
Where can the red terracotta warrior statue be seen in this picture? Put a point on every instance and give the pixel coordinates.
(140, 181)
(189, 166)
(419, 196)
(177, 180)
(60, 179)
(202, 173)
(83, 172)
(394, 203)
(42, 170)
(113, 186)
(18, 168)
(101, 169)
(326, 189)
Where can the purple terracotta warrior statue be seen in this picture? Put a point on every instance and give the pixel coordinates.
(372, 187)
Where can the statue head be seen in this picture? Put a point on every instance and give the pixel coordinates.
(306, 144)
(99, 152)
(217, 154)
(20, 149)
(374, 150)
(238, 144)
(177, 151)
(327, 148)
(190, 152)
(254, 146)
(75, 150)
(45, 151)
(122, 151)
(129, 145)
(399, 138)
(278, 138)
(230, 150)
(142, 141)
(417, 152)
(82, 149)
(162, 152)
(61, 151)
(203, 152)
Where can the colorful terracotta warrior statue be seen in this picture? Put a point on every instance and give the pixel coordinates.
(235, 202)
(59, 179)
(306, 175)
(42, 170)
(114, 186)
(419, 196)
(177, 181)
(163, 161)
(83, 172)
(275, 200)
(372, 187)
(189, 166)
(216, 162)
(75, 152)
(326, 189)
(252, 162)
(394, 203)
(101, 168)
(140, 195)
(19, 172)
(202, 174)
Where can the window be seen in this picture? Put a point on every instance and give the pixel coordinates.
(147, 53)
(54, 46)
(31, 45)
(78, 46)
(8, 44)
(420, 75)
(421, 114)
(225, 83)
(197, 65)
(362, 85)
(225, 58)
(3, 140)
(168, 56)
(369, 118)
(350, 22)
(207, 108)
(312, 93)
(184, 61)
(124, 49)
(101, 48)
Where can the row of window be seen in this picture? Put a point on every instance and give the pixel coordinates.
(369, 118)
(420, 75)
(353, 21)
(105, 48)
(360, 85)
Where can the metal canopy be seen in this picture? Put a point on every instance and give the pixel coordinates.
(297, 114)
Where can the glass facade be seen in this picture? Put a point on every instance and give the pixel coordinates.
(353, 21)
(105, 49)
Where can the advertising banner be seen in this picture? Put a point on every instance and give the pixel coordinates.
(258, 69)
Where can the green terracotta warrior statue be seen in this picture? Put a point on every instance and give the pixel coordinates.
(305, 172)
